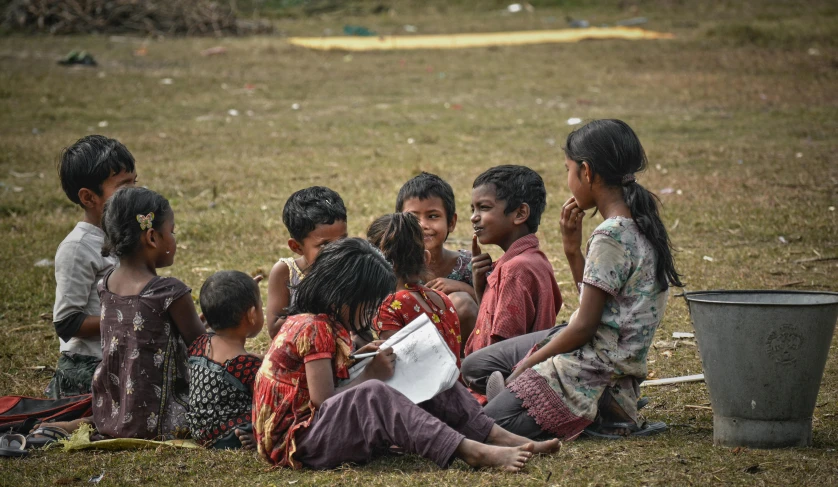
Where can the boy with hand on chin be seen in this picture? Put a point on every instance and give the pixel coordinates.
(517, 294)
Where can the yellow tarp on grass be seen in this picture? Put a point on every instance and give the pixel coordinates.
(461, 41)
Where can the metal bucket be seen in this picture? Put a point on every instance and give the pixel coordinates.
(763, 354)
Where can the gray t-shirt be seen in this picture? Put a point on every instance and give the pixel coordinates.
(79, 266)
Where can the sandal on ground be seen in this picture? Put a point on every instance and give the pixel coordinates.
(44, 435)
(13, 445)
(494, 385)
(601, 430)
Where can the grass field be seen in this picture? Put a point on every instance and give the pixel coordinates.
(738, 114)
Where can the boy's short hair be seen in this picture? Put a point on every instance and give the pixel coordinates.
(89, 162)
(516, 185)
(226, 297)
(425, 186)
(310, 207)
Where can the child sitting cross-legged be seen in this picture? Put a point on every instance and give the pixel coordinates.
(399, 237)
(303, 415)
(221, 371)
(314, 217)
(518, 293)
(431, 200)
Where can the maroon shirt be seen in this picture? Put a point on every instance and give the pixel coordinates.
(521, 296)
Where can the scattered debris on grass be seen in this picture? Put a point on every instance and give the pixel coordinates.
(82, 58)
(214, 51)
(45, 263)
(574, 121)
(683, 334)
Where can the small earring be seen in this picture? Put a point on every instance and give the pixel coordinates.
(168, 252)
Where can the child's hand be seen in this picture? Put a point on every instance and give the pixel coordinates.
(382, 366)
(480, 264)
(369, 347)
(447, 286)
(571, 226)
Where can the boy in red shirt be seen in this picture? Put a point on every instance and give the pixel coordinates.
(517, 294)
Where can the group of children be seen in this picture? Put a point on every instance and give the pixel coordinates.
(159, 370)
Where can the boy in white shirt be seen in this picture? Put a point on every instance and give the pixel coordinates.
(91, 170)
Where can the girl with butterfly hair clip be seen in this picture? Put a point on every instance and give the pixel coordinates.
(141, 389)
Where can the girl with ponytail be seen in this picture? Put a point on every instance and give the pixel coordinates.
(585, 376)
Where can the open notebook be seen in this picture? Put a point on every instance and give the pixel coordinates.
(425, 366)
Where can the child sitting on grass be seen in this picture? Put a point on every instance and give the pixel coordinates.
(314, 217)
(431, 200)
(303, 417)
(90, 171)
(518, 294)
(221, 371)
(590, 371)
(141, 387)
(400, 238)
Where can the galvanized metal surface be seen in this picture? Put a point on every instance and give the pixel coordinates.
(763, 354)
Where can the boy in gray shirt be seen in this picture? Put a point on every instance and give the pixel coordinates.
(91, 170)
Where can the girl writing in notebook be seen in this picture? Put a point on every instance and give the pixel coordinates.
(302, 418)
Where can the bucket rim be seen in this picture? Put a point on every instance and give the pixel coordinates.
(693, 296)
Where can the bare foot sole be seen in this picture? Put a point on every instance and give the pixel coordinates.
(508, 458)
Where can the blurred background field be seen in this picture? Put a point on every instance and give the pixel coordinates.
(738, 115)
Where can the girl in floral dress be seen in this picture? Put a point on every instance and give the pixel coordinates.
(140, 389)
(306, 414)
(400, 238)
(586, 375)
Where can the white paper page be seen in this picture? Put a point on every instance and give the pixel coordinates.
(425, 366)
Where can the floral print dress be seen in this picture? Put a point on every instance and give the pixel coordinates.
(462, 268)
(141, 388)
(402, 307)
(562, 393)
(281, 402)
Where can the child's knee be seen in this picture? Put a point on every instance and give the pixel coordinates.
(465, 305)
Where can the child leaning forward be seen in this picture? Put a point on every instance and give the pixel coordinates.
(303, 417)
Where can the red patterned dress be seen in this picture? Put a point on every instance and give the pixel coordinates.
(402, 307)
(282, 406)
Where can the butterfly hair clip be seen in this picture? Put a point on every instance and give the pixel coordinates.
(145, 221)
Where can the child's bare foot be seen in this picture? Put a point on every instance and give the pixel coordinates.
(501, 437)
(246, 439)
(508, 458)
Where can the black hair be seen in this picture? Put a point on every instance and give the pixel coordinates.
(613, 151)
(517, 185)
(400, 238)
(348, 272)
(310, 207)
(89, 162)
(119, 218)
(425, 186)
(226, 297)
